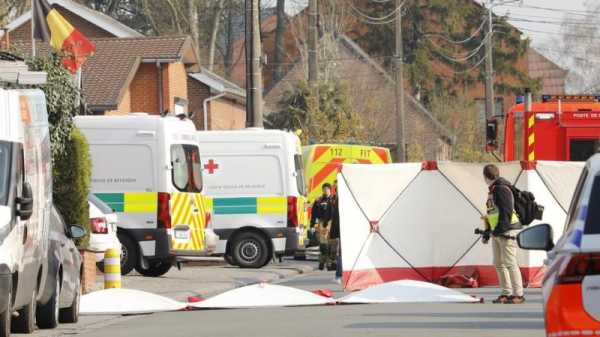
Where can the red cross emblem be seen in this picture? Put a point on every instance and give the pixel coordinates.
(211, 166)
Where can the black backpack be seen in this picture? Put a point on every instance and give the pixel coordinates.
(526, 207)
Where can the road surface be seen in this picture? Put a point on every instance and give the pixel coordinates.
(411, 320)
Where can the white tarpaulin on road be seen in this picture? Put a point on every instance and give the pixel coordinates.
(407, 291)
(426, 218)
(262, 295)
(126, 302)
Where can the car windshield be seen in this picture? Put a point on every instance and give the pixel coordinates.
(4, 171)
(187, 168)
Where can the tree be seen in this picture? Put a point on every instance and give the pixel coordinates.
(432, 55)
(460, 115)
(10, 9)
(70, 152)
(62, 96)
(576, 49)
(334, 120)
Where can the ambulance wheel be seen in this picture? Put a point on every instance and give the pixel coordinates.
(229, 259)
(250, 250)
(156, 268)
(129, 253)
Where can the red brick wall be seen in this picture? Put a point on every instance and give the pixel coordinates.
(86, 28)
(88, 274)
(144, 89)
(225, 114)
(197, 93)
(124, 107)
(175, 85)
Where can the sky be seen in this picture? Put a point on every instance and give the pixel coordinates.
(552, 12)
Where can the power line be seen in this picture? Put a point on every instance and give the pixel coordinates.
(566, 11)
(446, 38)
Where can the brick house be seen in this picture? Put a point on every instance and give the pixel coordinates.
(373, 97)
(223, 100)
(133, 73)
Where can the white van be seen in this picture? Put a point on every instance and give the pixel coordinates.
(147, 169)
(25, 203)
(256, 180)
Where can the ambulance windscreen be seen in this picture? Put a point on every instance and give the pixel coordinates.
(186, 168)
(4, 171)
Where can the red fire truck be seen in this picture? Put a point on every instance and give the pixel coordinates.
(560, 128)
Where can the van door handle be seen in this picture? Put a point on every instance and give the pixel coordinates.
(24, 234)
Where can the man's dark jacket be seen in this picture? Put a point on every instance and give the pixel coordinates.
(322, 210)
(505, 203)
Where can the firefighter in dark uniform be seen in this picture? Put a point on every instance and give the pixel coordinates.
(320, 224)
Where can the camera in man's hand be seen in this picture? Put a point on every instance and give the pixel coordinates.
(485, 234)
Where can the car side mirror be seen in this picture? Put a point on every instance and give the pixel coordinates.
(25, 202)
(77, 232)
(538, 237)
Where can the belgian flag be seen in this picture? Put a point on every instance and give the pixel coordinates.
(50, 26)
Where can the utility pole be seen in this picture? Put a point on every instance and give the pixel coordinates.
(399, 64)
(254, 102)
(313, 36)
(490, 101)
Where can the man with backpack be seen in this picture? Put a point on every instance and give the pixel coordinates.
(502, 221)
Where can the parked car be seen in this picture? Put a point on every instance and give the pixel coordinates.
(103, 225)
(63, 282)
(571, 286)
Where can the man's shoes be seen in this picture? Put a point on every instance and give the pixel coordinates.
(517, 299)
(502, 299)
(321, 265)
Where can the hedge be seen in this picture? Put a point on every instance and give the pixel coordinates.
(72, 176)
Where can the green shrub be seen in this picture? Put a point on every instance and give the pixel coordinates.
(72, 176)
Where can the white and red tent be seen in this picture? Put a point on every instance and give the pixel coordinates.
(426, 215)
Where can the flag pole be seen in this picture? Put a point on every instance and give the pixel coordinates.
(33, 28)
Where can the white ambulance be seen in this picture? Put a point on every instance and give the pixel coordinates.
(25, 198)
(147, 169)
(255, 178)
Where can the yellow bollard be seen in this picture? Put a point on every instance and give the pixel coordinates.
(112, 269)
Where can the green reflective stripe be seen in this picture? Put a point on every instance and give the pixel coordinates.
(116, 201)
(134, 202)
(235, 206)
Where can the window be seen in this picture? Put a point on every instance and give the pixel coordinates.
(574, 209)
(592, 223)
(5, 161)
(583, 149)
(300, 174)
(187, 168)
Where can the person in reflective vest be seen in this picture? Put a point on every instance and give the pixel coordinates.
(503, 224)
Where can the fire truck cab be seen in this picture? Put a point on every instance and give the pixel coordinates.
(559, 128)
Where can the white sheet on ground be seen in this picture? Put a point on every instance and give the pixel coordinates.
(126, 301)
(262, 295)
(408, 291)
